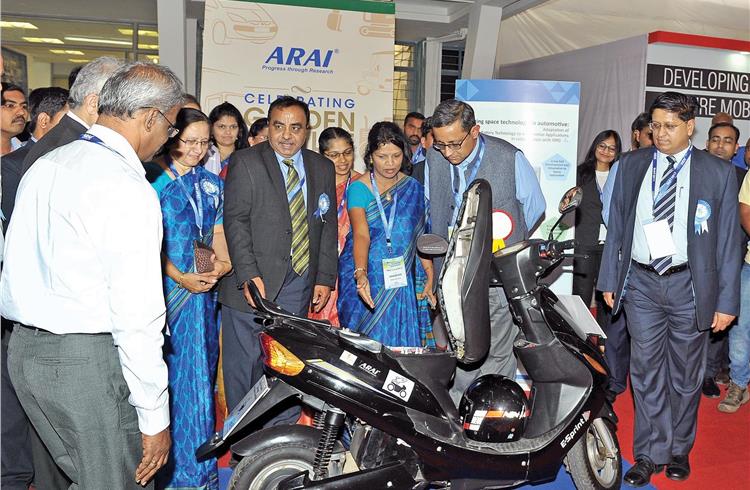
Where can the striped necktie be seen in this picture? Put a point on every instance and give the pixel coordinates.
(298, 213)
(664, 209)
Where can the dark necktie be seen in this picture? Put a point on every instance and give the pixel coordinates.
(298, 213)
(664, 209)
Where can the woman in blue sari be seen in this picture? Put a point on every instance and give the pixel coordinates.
(192, 208)
(378, 266)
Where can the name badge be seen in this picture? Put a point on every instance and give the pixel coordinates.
(659, 239)
(602, 233)
(394, 273)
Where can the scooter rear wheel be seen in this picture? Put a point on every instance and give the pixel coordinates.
(595, 461)
(265, 468)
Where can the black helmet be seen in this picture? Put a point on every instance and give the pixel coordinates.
(494, 409)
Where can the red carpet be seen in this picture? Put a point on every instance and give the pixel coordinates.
(720, 459)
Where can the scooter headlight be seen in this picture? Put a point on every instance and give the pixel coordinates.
(278, 357)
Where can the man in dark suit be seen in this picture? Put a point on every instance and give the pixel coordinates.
(671, 259)
(83, 113)
(280, 224)
(46, 107)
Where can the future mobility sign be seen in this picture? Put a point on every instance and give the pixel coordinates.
(336, 55)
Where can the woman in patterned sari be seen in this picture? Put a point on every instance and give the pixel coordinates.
(192, 208)
(337, 145)
(377, 268)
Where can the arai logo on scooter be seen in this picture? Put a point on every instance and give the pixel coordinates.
(569, 437)
(369, 369)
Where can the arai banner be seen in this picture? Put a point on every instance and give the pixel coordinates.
(336, 55)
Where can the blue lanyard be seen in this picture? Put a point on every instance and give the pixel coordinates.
(663, 187)
(95, 139)
(387, 224)
(342, 204)
(197, 208)
(474, 166)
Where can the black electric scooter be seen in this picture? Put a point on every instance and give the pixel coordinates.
(405, 429)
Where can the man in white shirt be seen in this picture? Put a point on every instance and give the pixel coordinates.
(82, 277)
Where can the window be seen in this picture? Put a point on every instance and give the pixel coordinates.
(406, 83)
(452, 64)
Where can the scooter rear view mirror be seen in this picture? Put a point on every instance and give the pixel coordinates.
(430, 244)
(569, 202)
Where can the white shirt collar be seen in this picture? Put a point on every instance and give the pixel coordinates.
(73, 116)
(117, 142)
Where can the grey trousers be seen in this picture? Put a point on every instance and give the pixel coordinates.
(73, 391)
(667, 362)
(500, 358)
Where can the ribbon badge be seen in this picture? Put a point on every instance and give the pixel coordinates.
(702, 213)
(324, 203)
(212, 190)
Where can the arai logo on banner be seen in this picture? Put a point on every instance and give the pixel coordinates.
(300, 60)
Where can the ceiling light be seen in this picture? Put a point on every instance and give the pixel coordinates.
(148, 46)
(78, 60)
(46, 40)
(141, 32)
(66, 51)
(17, 25)
(97, 40)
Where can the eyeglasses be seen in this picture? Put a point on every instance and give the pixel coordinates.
(335, 155)
(668, 127)
(193, 142)
(607, 148)
(171, 130)
(441, 147)
(224, 127)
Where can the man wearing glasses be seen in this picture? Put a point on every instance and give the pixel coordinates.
(83, 280)
(672, 262)
(461, 153)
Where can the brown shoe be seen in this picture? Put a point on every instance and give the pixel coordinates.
(735, 398)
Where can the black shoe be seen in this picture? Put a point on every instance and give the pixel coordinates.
(710, 389)
(722, 377)
(679, 468)
(640, 474)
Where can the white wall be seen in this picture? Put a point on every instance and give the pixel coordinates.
(40, 73)
(612, 78)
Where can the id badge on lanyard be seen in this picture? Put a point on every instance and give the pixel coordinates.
(394, 269)
(195, 201)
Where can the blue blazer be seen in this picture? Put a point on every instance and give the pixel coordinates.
(715, 259)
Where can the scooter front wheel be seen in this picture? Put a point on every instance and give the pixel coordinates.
(595, 461)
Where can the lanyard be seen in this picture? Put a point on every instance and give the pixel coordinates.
(474, 166)
(95, 139)
(197, 207)
(387, 224)
(663, 187)
(342, 204)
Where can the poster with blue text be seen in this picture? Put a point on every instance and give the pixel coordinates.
(541, 119)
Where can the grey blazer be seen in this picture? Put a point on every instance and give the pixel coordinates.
(258, 226)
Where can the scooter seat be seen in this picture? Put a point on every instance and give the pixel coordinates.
(435, 370)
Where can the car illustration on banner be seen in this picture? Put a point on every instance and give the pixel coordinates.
(248, 22)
